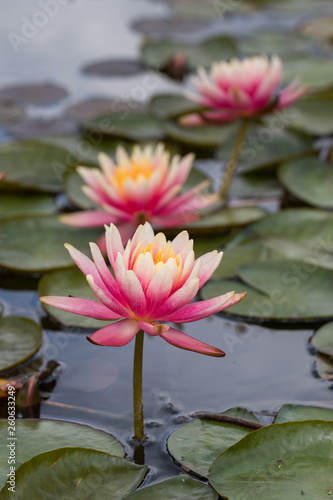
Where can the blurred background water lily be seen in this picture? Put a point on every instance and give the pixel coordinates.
(143, 186)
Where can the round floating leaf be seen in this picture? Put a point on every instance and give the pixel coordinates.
(292, 413)
(32, 166)
(157, 53)
(284, 43)
(34, 93)
(39, 436)
(29, 204)
(322, 340)
(36, 244)
(266, 147)
(196, 444)
(314, 114)
(72, 472)
(20, 339)
(113, 67)
(10, 111)
(205, 245)
(280, 290)
(97, 106)
(209, 9)
(324, 368)
(38, 127)
(63, 283)
(314, 72)
(310, 180)
(205, 136)
(165, 106)
(234, 257)
(167, 26)
(278, 461)
(255, 187)
(136, 126)
(178, 488)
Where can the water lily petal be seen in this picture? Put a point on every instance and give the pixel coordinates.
(117, 334)
(183, 341)
(84, 307)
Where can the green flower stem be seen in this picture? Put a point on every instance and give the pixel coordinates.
(137, 387)
(233, 160)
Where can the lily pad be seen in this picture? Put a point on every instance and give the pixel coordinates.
(166, 106)
(204, 136)
(29, 204)
(287, 44)
(178, 488)
(20, 339)
(34, 93)
(39, 436)
(157, 53)
(278, 461)
(265, 147)
(214, 242)
(72, 472)
(72, 282)
(310, 180)
(314, 72)
(10, 111)
(32, 128)
(292, 413)
(96, 106)
(32, 166)
(136, 126)
(113, 67)
(167, 25)
(252, 186)
(322, 340)
(196, 444)
(290, 291)
(36, 243)
(314, 114)
(234, 257)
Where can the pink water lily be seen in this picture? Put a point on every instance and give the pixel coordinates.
(143, 186)
(240, 89)
(154, 282)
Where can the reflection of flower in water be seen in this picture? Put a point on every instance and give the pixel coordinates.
(144, 186)
(240, 89)
(154, 280)
(91, 374)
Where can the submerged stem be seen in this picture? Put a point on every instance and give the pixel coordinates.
(233, 160)
(137, 387)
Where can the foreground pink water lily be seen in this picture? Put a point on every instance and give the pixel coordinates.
(154, 281)
(144, 186)
(240, 89)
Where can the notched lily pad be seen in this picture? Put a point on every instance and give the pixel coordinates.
(178, 488)
(20, 339)
(278, 461)
(322, 340)
(74, 472)
(113, 67)
(310, 180)
(31, 166)
(292, 413)
(34, 93)
(196, 444)
(63, 283)
(36, 244)
(39, 436)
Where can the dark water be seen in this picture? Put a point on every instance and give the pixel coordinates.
(263, 368)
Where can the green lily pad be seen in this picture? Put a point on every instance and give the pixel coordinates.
(29, 204)
(286, 44)
(253, 186)
(310, 180)
(322, 340)
(208, 9)
(178, 488)
(196, 444)
(166, 106)
(113, 67)
(157, 53)
(34, 93)
(314, 114)
(39, 436)
(136, 126)
(314, 72)
(266, 147)
(234, 257)
(73, 183)
(204, 136)
(278, 461)
(292, 413)
(32, 166)
(63, 283)
(214, 242)
(36, 243)
(72, 472)
(324, 368)
(20, 339)
(279, 291)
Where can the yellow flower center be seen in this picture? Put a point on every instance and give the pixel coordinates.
(133, 171)
(163, 254)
